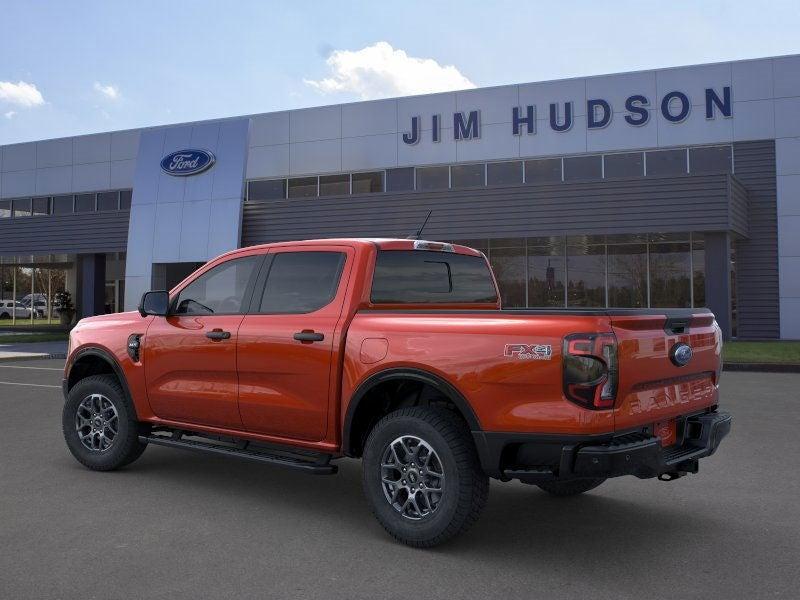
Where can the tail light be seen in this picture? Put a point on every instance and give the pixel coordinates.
(591, 370)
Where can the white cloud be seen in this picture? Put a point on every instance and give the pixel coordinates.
(109, 91)
(20, 93)
(380, 71)
(10, 114)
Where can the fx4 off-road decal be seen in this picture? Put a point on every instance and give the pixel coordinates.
(529, 351)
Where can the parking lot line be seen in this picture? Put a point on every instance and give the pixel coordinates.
(39, 368)
(29, 384)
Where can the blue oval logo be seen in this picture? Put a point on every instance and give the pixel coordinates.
(187, 162)
(681, 354)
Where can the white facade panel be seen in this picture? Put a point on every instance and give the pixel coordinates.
(205, 136)
(91, 177)
(787, 117)
(496, 141)
(311, 124)
(223, 235)
(424, 107)
(790, 323)
(787, 156)
(124, 144)
(616, 89)
(167, 238)
(788, 238)
(268, 161)
(495, 104)
(122, 173)
(753, 120)
(369, 152)
(54, 180)
(195, 229)
(549, 142)
(139, 258)
(693, 81)
(786, 71)
(18, 183)
(696, 129)
(54, 153)
(620, 135)
(369, 118)
(228, 172)
(558, 92)
(790, 281)
(324, 156)
(92, 148)
(788, 195)
(426, 151)
(269, 129)
(752, 80)
(19, 157)
(146, 175)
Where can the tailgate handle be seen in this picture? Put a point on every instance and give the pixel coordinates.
(676, 326)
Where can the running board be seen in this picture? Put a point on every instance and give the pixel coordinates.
(315, 464)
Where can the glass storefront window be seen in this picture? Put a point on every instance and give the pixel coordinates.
(433, 178)
(41, 206)
(334, 185)
(504, 173)
(582, 168)
(85, 203)
(666, 162)
(270, 189)
(125, 197)
(22, 207)
(670, 274)
(507, 258)
(400, 180)
(368, 183)
(628, 164)
(699, 269)
(62, 205)
(5, 209)
(546, 272)
(710, 159)
(303, 187)
(468, 175)
(107, 201)
(547, 170)
(586, 273)
(627, 275)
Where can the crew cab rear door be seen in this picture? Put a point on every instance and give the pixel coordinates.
(287, 342)
(655, 385)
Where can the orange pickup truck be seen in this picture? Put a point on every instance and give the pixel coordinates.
(397, 352)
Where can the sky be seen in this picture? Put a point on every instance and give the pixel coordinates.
(71, 68)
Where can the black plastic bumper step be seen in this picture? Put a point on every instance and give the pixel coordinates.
(315, 464)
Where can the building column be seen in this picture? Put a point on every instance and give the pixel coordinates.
(92, 288)
(718, 279)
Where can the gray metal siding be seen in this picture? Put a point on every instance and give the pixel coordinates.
(65, 234)
(757, 257)
(740, 202)
(697, 202)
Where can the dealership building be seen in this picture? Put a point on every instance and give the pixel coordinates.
(675, 187)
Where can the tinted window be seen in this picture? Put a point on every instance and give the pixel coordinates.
(714, 159)
(218, 291)
(84, 203)
(5, 209)
(272, 189)
(301, 282)
(22, 207)
(410, 276)
(433, 178)
(469, 175)
(367, 183)
(400, 180)
(543, 171)
(577, 168)
(334, 185)
(666, 162)
(504, 173)
(41, 206)
(62, 205)
(125, 199)
(630, 164)
(108, 201)
(303, 187)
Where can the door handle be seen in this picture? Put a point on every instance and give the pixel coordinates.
(218, 334)
(309, 336)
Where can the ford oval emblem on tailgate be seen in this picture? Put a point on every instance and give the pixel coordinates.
(187, 162)
(681, 354)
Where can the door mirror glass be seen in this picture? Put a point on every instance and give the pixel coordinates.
(154, 303)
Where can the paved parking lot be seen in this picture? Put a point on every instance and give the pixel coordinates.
(184, 525)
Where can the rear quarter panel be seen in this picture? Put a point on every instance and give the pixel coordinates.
(467, 349)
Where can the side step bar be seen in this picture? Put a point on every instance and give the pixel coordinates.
(315, 464)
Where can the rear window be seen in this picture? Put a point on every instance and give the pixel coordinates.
(421, 276)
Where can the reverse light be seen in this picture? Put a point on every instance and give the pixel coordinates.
(591, 373)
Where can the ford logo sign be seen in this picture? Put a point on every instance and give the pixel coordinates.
(681, 354)
(187, 162)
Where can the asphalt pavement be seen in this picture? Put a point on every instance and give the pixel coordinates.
(184, 525)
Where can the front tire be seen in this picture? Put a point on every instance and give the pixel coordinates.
(99, 424)
(571, 487)
(422, 477)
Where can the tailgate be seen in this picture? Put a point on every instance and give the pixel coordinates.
(653, 388)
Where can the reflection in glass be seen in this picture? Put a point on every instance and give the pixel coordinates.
(627, 276)
(546, 266)
(670, 275)
(586, 275)
(509, 269)
(699, 269)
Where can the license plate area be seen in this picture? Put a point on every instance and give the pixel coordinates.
(667, 431)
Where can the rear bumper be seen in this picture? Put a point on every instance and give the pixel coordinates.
(534, 458)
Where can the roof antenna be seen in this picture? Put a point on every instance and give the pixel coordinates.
(417, 234)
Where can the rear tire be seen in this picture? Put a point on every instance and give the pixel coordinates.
(99, 424)
(571, 487)
(422, 477)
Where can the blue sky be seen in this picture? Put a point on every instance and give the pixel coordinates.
(69, 68)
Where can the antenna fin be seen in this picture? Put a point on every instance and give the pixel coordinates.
(418, 233)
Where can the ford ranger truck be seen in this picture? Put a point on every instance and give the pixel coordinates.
(396, 352)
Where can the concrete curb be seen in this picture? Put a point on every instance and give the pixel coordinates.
(59, 355)
(762, 367)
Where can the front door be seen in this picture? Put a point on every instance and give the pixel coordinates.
(286, 343)
(190, 355)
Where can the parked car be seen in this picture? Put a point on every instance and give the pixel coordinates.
(397, 352)
(14, 308)
(39, 304)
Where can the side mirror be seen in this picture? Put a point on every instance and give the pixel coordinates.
(154, 303)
